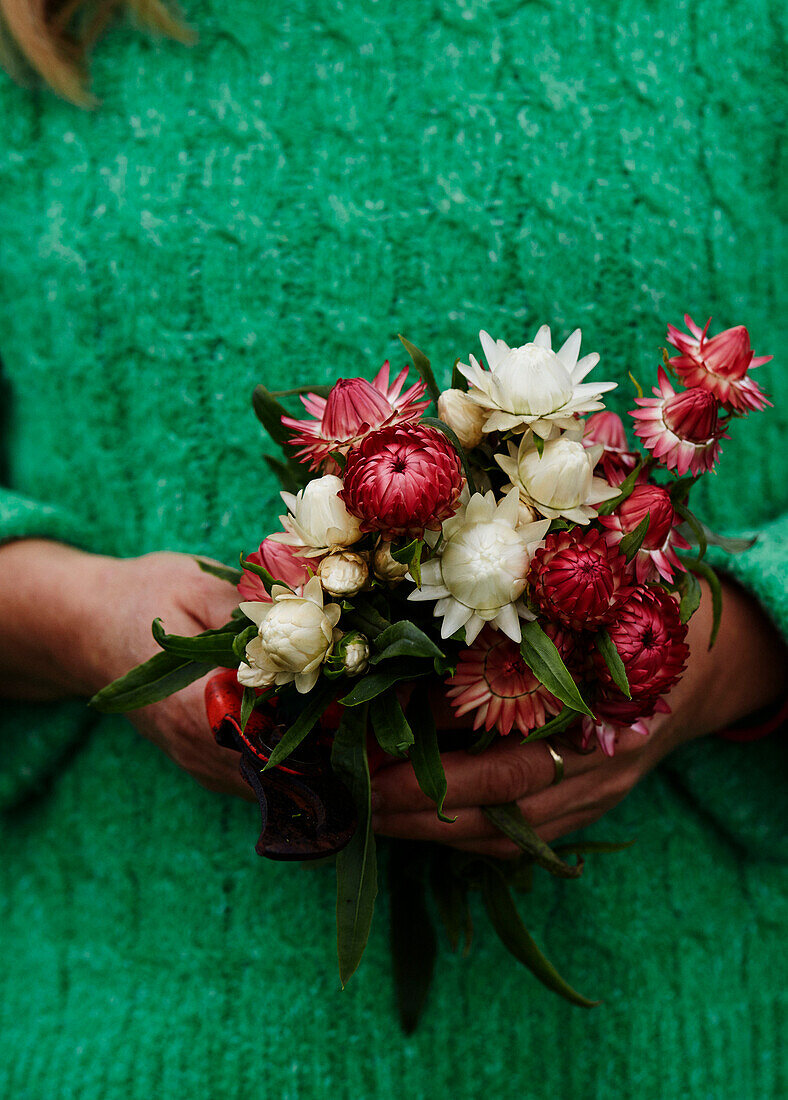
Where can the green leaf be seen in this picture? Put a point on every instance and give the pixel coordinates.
(161, 676)
(704, 570)
(315, 702)
(539, 444)
(563, 720)
(390, 725)
(509, 819)
(373, 683)
(223, 572)
(545, 662)
(260, 571)
(483, 741)
(680, 489)
(284, 473)
(320, 391)
(357, 877)
(425, 754)
(624, 490)
(404, 639)
(242, 640)
(632, 542)
(248, 700)
(451, 898)
(410, 555)
(411, 933)
(423, 368)
(515, 937)
(450, 434)
(688, 585)
(214, 647)
(695, 526)
(458, 380)
(365, 618)
(615, 665)
(728, 544)
(636, 384)
(270, 412)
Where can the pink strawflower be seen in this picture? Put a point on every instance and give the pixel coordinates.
(719, 364)
(578, 580)
(401, 480)
(650, 639)
(493, 680)
(353, 409)
(281, 562)
(617, 460)
(616, 715)
(682, 429)
(657, 556)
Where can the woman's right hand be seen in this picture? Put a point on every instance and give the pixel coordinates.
(72, 622)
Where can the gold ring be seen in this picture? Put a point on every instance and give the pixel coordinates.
(558, 760)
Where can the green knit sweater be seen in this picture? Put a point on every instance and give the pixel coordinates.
(275, 204)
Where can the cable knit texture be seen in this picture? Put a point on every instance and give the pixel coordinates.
(275, 204)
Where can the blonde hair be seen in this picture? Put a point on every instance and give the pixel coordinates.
(51, 39)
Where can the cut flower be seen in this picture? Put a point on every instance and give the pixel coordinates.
(318, 521)
(532, 386)
(682, 429)
(719, 364)
(478, 573)
(560, 481)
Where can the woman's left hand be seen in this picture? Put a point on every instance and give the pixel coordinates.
(744, 671)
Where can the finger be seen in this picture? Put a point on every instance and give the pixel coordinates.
(503, 773)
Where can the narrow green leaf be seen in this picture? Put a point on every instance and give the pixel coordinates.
(451, 898)
(410, 555)
(214, 647)
(390, 725)
(242, 640)
(680, 489)
(615, 665)
(509, 819)
(373, 683)
(483, 741)
(156, 679)
(411, 933)
(315, 702)
(423, 368)
(458, 379)
(562, 721)
(450, 434)
(625, 489)
(632, 542)
(689, 586)
(357, 877)
(636, 384)
(704, 570)
(515, 937)
(248, 700)
(425, 754)
(270, 412)
(727, 543)
(404, 639)
(223, 572)
(694, 524)
(544, 660)
(539, 444)
(284, 473)
(260, 571)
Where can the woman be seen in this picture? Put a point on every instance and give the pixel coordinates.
(273, 203)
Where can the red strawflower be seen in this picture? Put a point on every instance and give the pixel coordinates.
(719, 364)
(615, 715)
(682, 429)
(617, 460)
(281, 561)
(657, 556)
(493, 680)
(649, 637)
(353, 408)
(401, 480)
(577, 579)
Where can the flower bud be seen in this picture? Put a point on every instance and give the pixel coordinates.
(343, 574)
(352, 650)
(318, 517)
(384, 565)
(464, 416)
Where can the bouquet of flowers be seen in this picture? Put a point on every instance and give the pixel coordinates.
(514, 552)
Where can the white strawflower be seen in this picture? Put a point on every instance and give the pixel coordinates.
(560, 481)
(464, 416)
(532, 386)
(351, 652)
(479, 575)
(318, 519)
(343, 573)
(385, 567)
(294, 638)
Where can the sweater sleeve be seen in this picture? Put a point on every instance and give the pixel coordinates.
(762, 570)
(35, 739)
